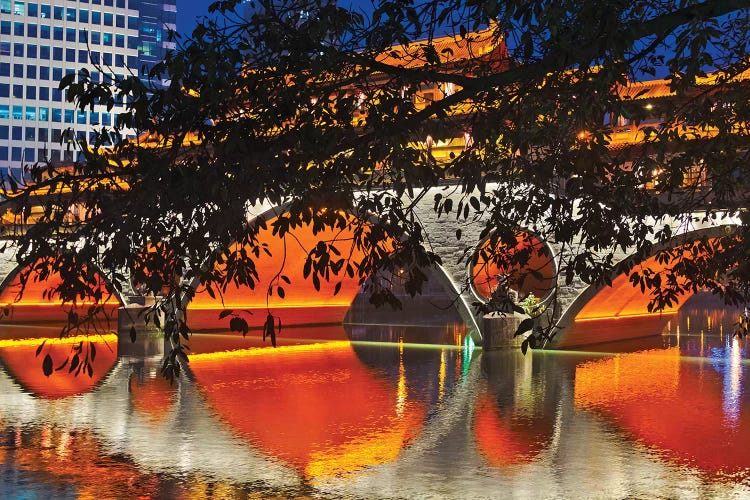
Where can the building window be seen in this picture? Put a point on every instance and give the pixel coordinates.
(58, 13)
(83, 56)
(70, 34)
(108, 18)
(4, 48)
(96, 17)
(83, 36)
(83, 16)
(70, 55)
(18, 71)
(4, 111)
(32, 9)
(31, 71)
(43, 114)
(57, 53)
(43, 134)
(30, 134)
(31, 30)
(44, 32)
(120, 21)
(70, 15)
(44, 52)
(31, 51)
(18, 49)
(107, 39)
(18, 91)
(31, 113)
(120, 41)
(30, 92)
(69, 116)
(57, 118)
(4, 69)
(57, 74)
(56, 94)
(4, 90)
(4, 6)
(19, 8)
(43, 92)
(28, 155)
(17, 112)
(133, 42)
(15, 154)
(81, 117)
(18, 29)
(54, 155)
(133, 22)
(46, 11)
(107, 58)
(17, 134)
(96, 38)
(4, 131)
(4, 153)
(4, 27)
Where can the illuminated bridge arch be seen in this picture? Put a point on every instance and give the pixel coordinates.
(605, 314)
(35, 305)
(302, 304)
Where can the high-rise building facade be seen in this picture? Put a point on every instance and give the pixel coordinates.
(157, 18)
(43, 40)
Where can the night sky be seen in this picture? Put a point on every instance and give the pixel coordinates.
(187, 11)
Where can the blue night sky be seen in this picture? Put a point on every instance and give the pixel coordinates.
(188, 11)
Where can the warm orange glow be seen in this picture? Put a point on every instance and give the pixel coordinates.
(506, 437)
(302, 303)
(35, 305)
(19, 359)
(153, 396)
(77, 459)
(316, 407)
(485, 272)
(595, 322)
(675, 408)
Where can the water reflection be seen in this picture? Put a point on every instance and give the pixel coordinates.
(384, 411)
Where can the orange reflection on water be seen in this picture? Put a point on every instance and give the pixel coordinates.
(75, 458)
(152, 395)
(19, 359)
(670, 405)
(315, 407)
(507, 436)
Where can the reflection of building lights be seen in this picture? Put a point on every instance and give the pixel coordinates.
(649, 106)
(732, 394)
(441, 376)
(401, 388)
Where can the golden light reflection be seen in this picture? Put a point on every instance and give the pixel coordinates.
(18, 357)
(316, 407)
(678, 409)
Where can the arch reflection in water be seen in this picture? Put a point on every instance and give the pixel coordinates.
(691, 412)
(513, 421)
(18, 356)
(327, 409)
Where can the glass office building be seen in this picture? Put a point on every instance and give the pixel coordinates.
(43, 40)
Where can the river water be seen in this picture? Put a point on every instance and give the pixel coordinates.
(381, 411)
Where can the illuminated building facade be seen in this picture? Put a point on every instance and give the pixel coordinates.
(43, 40)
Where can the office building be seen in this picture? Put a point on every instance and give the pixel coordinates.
(43, 40)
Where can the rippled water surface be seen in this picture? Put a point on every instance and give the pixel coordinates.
(380, 412)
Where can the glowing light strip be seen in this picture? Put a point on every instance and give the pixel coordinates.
(641, 315)
(24, 303)
(304, 305)
(108, 337)
(262, 351)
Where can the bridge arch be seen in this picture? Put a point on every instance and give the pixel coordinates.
(35, 305)
(536, 276)
(301, 304)
(602, 313)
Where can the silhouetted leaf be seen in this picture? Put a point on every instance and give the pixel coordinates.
(47, 365)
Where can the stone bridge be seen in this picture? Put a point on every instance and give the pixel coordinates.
(585, 313)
